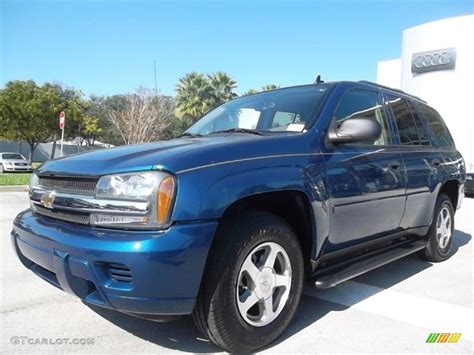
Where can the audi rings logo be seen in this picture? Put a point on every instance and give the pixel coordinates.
(440, 59)
(432, 60)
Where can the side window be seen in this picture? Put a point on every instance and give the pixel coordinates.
(364, 103)
(407, 128)
(441, 135)
(422, 134)
(285, 118)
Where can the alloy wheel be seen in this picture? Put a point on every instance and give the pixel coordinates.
(443, 227)
(263, 284)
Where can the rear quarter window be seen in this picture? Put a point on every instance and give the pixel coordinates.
(441, 135)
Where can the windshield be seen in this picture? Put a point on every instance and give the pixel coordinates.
(12, 156)
(283, 110)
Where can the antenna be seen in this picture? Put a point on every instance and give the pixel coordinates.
(154, 69)
(318, 80)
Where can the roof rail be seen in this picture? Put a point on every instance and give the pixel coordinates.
(389, 88)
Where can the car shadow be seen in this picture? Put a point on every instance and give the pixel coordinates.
(183, 335)
(313, 308)
(180, 334)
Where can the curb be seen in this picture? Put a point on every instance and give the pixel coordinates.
(14, 188)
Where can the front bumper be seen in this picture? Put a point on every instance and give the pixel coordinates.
(138, 272)
(17, 168)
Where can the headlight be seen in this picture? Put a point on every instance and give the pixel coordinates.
(8, 163)
(128, 186)
(156, 188)
(34, 181)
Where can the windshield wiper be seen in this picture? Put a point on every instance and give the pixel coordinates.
(189, 134)
(239, 130)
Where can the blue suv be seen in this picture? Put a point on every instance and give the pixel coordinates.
(321, 182)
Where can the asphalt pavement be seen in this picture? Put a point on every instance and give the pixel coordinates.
(392, 309)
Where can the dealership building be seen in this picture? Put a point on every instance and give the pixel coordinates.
(437, 65)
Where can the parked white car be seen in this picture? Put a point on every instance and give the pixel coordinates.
(10, 162)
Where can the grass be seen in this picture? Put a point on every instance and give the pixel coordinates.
(8, 179)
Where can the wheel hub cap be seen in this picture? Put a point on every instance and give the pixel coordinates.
(443, 227)
(263, 285)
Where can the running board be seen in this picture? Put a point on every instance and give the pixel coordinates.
(361, 267)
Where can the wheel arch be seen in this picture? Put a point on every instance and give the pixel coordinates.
(451, 189)
(292, 205)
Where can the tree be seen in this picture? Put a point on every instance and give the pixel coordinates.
(107, 131)
(80, 119)
(222, 87)
(90, 129)
(197, 93)
(29, 112)
(250, 92)
(177, 126)
(269, 87)
(142, 116)
(193, 96)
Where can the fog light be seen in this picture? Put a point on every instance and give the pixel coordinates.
(110, 219)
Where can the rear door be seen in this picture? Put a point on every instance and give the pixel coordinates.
(421, 159)
(366, 180)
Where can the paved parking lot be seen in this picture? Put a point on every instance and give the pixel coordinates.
(392, 309)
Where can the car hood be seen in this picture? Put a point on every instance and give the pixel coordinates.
(174, 155)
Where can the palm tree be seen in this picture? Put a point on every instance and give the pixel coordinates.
(270, 87)
(264, 88)
(222, 87)
(194, 96)
(250, 92)
(197, 94)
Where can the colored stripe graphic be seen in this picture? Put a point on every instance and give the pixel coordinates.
(432, 337)
(454, 338)
(443, 337)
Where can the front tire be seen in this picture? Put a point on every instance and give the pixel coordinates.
(441, 233)
(252, 284)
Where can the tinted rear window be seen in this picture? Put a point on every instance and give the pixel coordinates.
(408, 130)
(441, 135)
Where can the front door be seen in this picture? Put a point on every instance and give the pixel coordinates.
(366, 180)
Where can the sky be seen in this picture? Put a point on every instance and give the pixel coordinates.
(109, 47)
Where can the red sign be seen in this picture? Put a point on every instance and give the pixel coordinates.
(62, 119)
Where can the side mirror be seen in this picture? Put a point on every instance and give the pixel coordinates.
(356, 129)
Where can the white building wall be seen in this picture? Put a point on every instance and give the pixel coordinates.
(389, 73)
(451, 92)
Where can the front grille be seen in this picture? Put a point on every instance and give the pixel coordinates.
(81, 218)
(119, 272)
(21, 164)
(84, 186)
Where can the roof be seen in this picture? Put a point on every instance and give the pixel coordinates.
(366, 82)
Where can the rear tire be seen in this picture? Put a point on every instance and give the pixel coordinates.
(441, 233)
(238, 275)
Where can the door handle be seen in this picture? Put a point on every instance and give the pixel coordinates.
(436, 162)
(394, 165)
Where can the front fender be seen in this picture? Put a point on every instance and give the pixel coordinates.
(207, 194)
(228, 189)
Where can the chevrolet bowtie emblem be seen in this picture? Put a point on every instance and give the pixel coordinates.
(47, 200)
